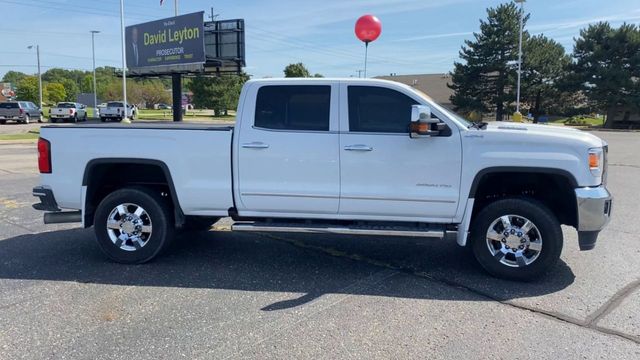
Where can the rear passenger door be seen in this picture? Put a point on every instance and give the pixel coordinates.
(287, 151)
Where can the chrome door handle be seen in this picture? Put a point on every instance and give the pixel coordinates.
(255, 145)
(358, 147)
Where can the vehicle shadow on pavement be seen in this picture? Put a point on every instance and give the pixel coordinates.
(312, 265)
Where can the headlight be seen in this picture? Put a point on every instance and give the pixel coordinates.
(596, 161)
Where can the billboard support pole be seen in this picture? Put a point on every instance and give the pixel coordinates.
(124, 62)
(176, 85)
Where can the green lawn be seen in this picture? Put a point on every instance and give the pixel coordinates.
(198, 115)
(579, 121)
(23, 136)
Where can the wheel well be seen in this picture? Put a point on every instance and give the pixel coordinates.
(556, 191)
(102, 177)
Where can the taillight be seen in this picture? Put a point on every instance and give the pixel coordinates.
(21, 111)
(44, 156)
(70, 111)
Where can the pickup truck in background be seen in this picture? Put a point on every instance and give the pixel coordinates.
(343, 156)
(68, 111)
(115, 111)
(19, 111)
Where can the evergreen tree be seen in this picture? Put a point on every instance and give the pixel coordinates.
(607, 67)
(484, 80)
(544, 64)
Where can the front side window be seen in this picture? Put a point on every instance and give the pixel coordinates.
(299, 107)
(377, 109)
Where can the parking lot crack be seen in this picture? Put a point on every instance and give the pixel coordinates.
(589, 323)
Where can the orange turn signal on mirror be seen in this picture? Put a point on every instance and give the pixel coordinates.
(594, 161)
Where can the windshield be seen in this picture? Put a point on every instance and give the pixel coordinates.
(114, 104)
(8, 105)
(66, 105)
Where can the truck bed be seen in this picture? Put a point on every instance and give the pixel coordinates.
(198, 157)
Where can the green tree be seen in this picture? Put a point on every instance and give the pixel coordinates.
(28, 89)
(607, 67)
(218, 93)
(484, 80)
(296, 71)
(55, 92)
(71, 89)
(544, 64)
(13, 77)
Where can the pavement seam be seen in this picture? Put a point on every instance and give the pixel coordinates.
(613, 303)
(446, 282)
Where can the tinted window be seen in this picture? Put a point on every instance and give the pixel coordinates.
(376, 109)
(115, 104)
(8, 105)
(304, 107)
(66, 105)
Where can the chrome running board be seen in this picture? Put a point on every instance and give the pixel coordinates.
(378, 230)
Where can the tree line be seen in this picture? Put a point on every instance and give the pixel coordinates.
(601, 74)
(65, 85)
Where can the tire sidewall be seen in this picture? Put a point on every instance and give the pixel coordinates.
(536, 212)
(160, 219)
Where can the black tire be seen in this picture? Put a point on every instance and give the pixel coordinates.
(2, 122)
(84, 118)
(27, 119)
(53, 120)
(40, 118)
(103, 119)
(75, 118)
(199, 223)
(547, 226)
(158, 212)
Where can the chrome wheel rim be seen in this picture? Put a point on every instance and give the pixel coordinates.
(514, 241)
(129, 226)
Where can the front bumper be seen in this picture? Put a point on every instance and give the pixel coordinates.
(594, 213)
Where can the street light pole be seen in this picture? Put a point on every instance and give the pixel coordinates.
(519, 54)
(124, 61)
(95, 88)
(39, 74)
(175, 3)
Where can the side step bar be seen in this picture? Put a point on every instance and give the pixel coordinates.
(63, 217)
(341, 229)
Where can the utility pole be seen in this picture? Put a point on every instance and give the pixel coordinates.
(359, 73)
(124, 62)
(213, 16)
(521, 2)
(95, 88)
(39, 75)
(175, 3)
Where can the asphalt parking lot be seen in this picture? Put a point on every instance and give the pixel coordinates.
(224, 295)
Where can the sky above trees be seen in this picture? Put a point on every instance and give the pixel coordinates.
(418, 36)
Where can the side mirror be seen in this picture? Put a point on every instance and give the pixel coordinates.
(422, 124)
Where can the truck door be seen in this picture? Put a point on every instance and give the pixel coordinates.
(386, 173)
(287, 150)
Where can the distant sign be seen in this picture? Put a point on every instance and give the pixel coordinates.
(171, 41)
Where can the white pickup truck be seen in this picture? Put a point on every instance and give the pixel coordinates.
(68, 111)
(114, 110)
(344, 156)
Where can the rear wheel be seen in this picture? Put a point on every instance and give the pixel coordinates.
(75, 118)
(27, 119)
(40, 118)
(133, 225)
(2, 122)
(516, 239)
(53, 120)
(103, 119)
(84, 118)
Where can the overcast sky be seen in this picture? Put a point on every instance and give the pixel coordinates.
(419, 36)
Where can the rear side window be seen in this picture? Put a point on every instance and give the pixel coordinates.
(301, 107)
(9, 106)
(376, 109)
(66, 105)
(115, 104)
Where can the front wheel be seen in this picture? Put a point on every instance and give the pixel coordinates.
(133, 225)
(516, 239)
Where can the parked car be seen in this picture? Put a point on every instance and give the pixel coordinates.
(343, 156)
(68, 111)
(163, 107)
(20, 111)
(115, 111)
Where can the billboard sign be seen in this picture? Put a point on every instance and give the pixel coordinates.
(172, 41)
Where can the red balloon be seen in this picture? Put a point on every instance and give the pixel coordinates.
(368, 28)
